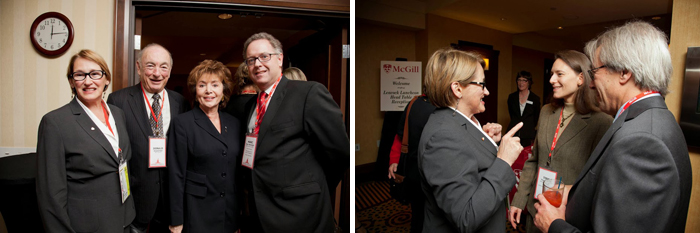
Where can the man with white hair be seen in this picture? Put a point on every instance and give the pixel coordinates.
(638, 178)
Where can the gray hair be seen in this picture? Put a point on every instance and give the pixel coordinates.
(637, 47)
(276, 44)
(154, 45)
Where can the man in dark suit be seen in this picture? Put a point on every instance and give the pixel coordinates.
(149, 179)
(296, 147)
(638, 178)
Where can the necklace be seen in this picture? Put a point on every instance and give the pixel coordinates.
(567, 117)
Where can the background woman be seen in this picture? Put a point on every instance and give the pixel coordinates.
(580, 127)
(202, 153)
(524, 106)
(79, 152)
(465, 176)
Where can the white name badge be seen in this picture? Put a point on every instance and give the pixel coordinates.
(156, 152)
(249, 151)
(529, 102)
(124, 181)
(546, 179)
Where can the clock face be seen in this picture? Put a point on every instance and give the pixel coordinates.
(51, 34)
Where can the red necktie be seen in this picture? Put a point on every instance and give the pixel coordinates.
(261, 111)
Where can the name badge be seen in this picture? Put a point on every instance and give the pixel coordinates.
(529, 102)
(251, 140)
(546, 179)
(124, 181)
(156, 152)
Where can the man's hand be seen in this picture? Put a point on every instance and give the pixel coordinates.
(493, 130)
(510, 147)
(547, 213)
(392, 169)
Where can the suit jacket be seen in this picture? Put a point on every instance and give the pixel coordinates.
(573, 148)
(148, 184)
(419, 115)
(465, 184)
(529, 118)
(77, 182)
(202, 166)
(638, 178)
(302, 147)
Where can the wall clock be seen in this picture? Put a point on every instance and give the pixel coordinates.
(51, 33)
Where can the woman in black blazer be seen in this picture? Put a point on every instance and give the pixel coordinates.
(524, 106)
(202, 154)
(79, 152)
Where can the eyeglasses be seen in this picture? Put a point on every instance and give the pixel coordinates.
(483, 84)
(263, 58)
(594, 70)
(80, 76)
(522, 80)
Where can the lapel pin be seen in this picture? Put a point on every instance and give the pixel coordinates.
(92, 128)
(482, 138)
(225, 129)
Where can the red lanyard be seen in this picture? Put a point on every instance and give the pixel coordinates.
(104, 110)
(641, 95)
(149, 105)
(267, 99)
(554, 141)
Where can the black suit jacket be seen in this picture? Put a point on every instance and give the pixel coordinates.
(301, 135)
(638, 178)
(77, 182)
(148, 184)
(529, 118)
(202, 164)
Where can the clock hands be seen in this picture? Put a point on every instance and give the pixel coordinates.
(52, 32)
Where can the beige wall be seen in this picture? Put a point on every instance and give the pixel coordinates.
(32, 85)
(684, 34)
(378, 43)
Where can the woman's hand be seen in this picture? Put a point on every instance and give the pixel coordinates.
(493, 130)
(392, 169)
(514, 216)
(175, 229)
(510, 147)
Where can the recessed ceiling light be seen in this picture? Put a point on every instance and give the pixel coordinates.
(503, 19)
(202, 54)
(560, 28)
(656, 17)
(225, 16)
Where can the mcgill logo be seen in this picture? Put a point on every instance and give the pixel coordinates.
(387, 68)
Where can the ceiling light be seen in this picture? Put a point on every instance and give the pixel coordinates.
(560, 28)
(656, 17)
(202, 54)
(225, 16)
(503, 19)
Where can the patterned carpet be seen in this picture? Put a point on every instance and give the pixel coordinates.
(378, 212)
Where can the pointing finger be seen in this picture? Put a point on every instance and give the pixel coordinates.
(514, 129)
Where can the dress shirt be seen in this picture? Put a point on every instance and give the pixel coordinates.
(165, 108)
(112, 138)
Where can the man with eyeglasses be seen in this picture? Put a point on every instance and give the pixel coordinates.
(149, 107)
(296, 147)
(638, 178)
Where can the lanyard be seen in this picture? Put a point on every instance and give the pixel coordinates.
(641, 95)
(267, 99)
(149, 105)
(554, 141)
(104, 110)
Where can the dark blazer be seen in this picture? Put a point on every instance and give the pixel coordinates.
(465, 184)
(302, 148)
(529, 118)
(202, 166)
(638, 178)
(573, 148)
(148, 184)
(77, 182)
